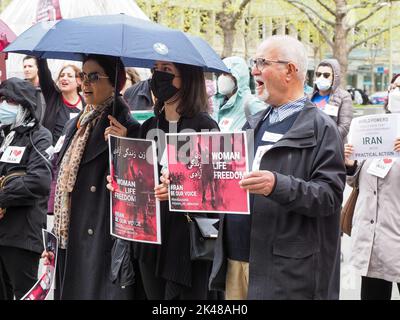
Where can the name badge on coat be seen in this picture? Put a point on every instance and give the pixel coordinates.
(225, 124)
(73, 115)
(13, 154)
(331, 110)
(271, 137)
(59, 144)
(381, 167)
(261, 150)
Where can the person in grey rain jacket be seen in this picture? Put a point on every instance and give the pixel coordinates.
(330, 97)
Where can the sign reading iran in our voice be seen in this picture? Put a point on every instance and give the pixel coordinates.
(135, 212)
(373, 136)
(205, 170)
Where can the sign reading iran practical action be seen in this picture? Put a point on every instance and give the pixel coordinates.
(373, 136)
(42, 287)
(205, 170)
(135, 212)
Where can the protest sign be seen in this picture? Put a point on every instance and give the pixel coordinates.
(135, 212)
(373, 136)
(42, 287)
(205, 170)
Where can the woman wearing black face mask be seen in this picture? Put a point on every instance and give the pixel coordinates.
(167, 271)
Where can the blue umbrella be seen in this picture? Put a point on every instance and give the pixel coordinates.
(139, 43)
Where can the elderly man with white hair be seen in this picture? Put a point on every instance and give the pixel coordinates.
(289, 246)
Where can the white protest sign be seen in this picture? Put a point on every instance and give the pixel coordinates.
(373, 136)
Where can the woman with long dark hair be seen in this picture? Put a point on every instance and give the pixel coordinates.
(82, 204)
(167, 270)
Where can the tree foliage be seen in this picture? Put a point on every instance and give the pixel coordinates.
(344, 24)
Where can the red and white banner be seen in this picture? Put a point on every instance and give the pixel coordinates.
(42, 287)
(205, 170)
(135, 212)
(48, 10)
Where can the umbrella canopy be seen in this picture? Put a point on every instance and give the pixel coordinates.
(139, 43)
(6, 35)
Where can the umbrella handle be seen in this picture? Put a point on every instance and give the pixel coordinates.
(113, 112)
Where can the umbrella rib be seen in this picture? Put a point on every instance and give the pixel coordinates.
(44, 36)
(204, 62)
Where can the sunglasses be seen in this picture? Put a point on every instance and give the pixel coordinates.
(325, 74)
(259, 63)
(8, 100)
(91, 77)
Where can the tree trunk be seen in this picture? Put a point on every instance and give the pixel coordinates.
(229, 37)
(227, 21)
(340, 49)
(373, 88)
(373, 59)
(340, 53)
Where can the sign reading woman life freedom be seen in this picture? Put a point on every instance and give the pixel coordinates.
(374, 136)
(205, 170)
(135, 212)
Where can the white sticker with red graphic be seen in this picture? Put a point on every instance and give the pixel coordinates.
(225, 124)
(331, 110)
(381, 167)
(13, 154)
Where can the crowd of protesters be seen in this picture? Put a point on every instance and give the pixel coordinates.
(289, 245)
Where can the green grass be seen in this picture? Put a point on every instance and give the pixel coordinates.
(366, 105)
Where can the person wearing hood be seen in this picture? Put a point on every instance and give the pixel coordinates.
(330, 98)
(234, 103)
(24, 187)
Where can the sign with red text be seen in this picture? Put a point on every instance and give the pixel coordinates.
(42, 287)
(48, 10)
(205, 170)
(135, 212)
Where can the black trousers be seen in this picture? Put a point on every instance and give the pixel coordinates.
(18, 272)
(157, 288)
(376, 289)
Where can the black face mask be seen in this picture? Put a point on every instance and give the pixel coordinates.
(161, 85)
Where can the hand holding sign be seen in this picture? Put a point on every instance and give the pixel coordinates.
(161, 191)
(397, 145)
(348, 151)
(48, 257)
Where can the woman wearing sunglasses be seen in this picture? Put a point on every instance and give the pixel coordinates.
(81, 209)
(330, 98)
(181, 103)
